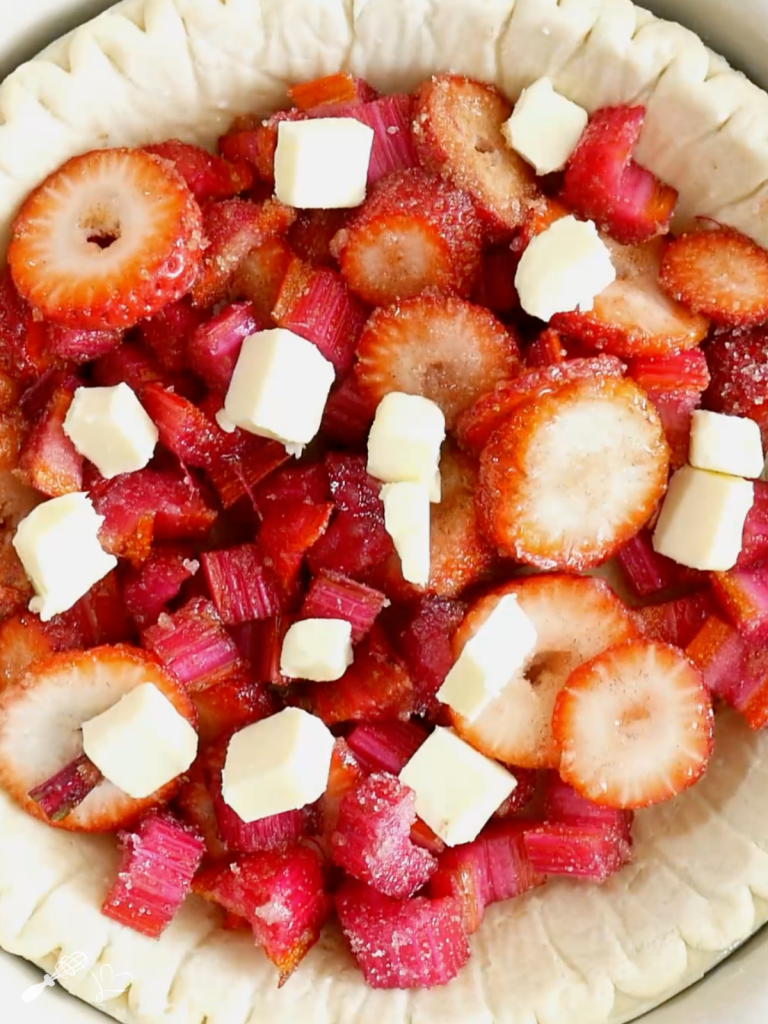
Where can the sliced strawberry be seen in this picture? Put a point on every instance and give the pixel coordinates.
(635, 725)
(372, 839)
(684, 371)
(719, 273)
(738, 363)
(585, 851)
(312, 233)
(546, 350)
(80, 346)
(288, 532)
(194, 646)
(64, 255)
(490, 411)
(208, 176)
(194, 805)
(48, 460)
(22, 339)
(40, 720)
(282, 897)
(23, 641)
(575, 618)
(160, 859)
(600, 445)
(229, 706)
(733, 669)
(15, 589)
(495, 286)
(403, 944)
(436, 346)
(13, 427)
(675, 409)
(331, 91)
(260, 274)
(604, 184)
(633, 316)
(457, 132)
(386, 746)
(676, 622)
(414, 231)
(424, 640)
(234, 227)
(376, 687)
(148, 588)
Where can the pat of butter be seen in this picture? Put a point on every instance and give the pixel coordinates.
(457, 788)
(726, 444)
(110, 428)
(490, 660)
(406, 518)
(322, 164)
(701, 524)
(405, 439)
(279, 388)
(318, 649)
(279, 764)
(58, 544)
(545, 127)
(563, 269)
(141, 743)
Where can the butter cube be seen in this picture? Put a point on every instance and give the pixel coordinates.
(405, 439)
(58, 544)
(319, 649)
(110, 428)
(279, 388)
(322, 164)
(545, 127)
(279, 764)
(563, 269)
(141, 743)
(406, 518)
(490, 660)
(457, 789)
(702, 519)
(726, 444)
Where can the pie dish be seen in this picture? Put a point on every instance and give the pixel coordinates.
(567, 955)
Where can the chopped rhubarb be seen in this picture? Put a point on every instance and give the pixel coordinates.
(214, 346)
(183, 428)
(194, 646)
(241, 585)
(281, 895)
(564, 806)
(208, 176)
(48, 460)
(348, 416)
(406, 944)
(372, 838)
(743, 595)
(494, 867)
(23, 641)
(305, 483)
(332, 596)
(495, 285)
(23, 354)
(733, 668)
(345, 775)
(352, 488)
(546, 350)
(330, 91)
(67, 789)
(148, 588)
(130, 364)
(78, 346)
(424, 641)
(194, 805)
(675, 409)
(647, 572)
(261, 643)
(146, 505)
(99, 617)
(588, 851)
(754, 542)
(311, 236)
(277, 832)
(423, 836)
(386, 746)
(167, 333)
(243, 461)
(684, 371)
(676, 622)
(230, 706)
(315, 303)
(288, 532)
(390, 118)
(160, 859)
(604, 184)
(376, 687)
(354, 545)
(523, 794)
(260, 275)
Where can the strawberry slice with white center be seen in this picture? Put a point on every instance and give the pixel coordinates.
(575, 618)
(720, 273)
(40, 729)
(635, 726)
(436, 346)
(572, 476)
(111, 237)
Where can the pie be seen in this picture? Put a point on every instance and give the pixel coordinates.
(698, 881)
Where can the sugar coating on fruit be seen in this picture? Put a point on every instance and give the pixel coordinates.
(317, 649)
(279, 388)
(564, 269)
(405, 440)
(490, 660)
(406, 519)
(58, 544)
(702, 519)
(457, 788)
(281, 763)
(110, 428)
(322, 164)
(141, 743)
(726, 444)
(545, 127)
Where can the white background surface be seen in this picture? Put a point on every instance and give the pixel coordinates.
(737, 993)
